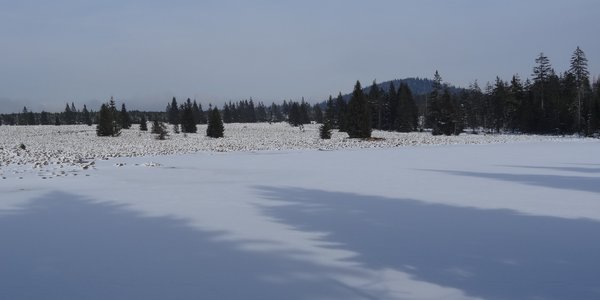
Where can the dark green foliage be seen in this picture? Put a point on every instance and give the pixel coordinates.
(215, 127)
(325, 130)
(375, 100)
(188, 121)
(108, 120)
(159, 129)
(318, 114)
(445, 116)
(143, 123)
(407, 111)
(44, 119)
(86, 117)
(199, 115)
(125, 118)
(359, 116)
(70, 114)
(341, 108)
(57, 120)
(173, 112)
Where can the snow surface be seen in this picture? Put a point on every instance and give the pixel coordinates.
(53, 151)
(496, 221)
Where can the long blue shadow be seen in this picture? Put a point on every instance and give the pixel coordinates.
(583, 170)
(573, 183)
(62, 246)
(493, 254)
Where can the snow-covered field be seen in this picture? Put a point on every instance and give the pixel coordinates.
(497, 220)
(52, 151)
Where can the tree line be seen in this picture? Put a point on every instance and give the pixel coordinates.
(546, 103)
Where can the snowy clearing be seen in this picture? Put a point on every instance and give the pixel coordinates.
(499, 221)
(52, 151)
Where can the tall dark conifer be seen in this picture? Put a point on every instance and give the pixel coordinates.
(359, 115)
(215, 127)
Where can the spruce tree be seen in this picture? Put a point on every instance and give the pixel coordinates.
(359, 116)
(376, 105)
(87, 119)
(579, 68)
(341, 109)
(105, 119)
(44, 119)
(188, 121)
(108, 120)
(173, 112)
(159, 129)
(215, 127)
(407, 112)
(143, 123)
(125, 118)
(325, 130)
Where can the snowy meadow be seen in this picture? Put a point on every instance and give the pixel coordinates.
(266, 214)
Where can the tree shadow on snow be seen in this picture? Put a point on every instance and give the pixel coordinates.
(61, 246)
(494, 254)
(574, 183)
(583, 170)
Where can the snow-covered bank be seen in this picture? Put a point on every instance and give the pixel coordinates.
(51, 150)
(502, 221)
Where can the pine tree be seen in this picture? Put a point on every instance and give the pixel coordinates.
(341, 109)
(376, 105)
(143, 123)
(407, 111)
(105, 126)
(215, 127)
(125, 118)
(159, 129)
(44, 119)
(108, 120)
(541, 75)
(87, 119)
(188, 122)
(173, 112)
(325, 130)
(359, 116)
(446, 121)
(579, 69)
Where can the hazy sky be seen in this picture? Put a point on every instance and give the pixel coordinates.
(144, 52)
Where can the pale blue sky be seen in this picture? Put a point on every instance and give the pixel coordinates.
(145, 52)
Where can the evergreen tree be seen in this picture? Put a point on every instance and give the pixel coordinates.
(340, 113)
(541, 75)
(143, 123)
(579, 69)
(407, 111)
(173, 112)
(446, 120)
(215, 127)
(108, 120)
(159, 129)
(57, 120)
(105, 126)
(318, 114)
(188, 122)
(44, 119)
(359, 116)
(391, 108)
(513, 104)
(376, 105)
(87, 118)
(125, 118)
(432, 106)
(325, 130)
